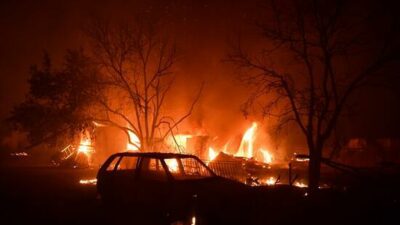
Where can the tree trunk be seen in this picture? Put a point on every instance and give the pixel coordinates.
(314, 169)
(147, 145)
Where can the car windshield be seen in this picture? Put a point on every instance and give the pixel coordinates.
(187, 168)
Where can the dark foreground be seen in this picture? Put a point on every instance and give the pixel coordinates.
(45, 195)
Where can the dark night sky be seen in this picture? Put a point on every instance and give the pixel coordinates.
(202, 28)
(31, 27)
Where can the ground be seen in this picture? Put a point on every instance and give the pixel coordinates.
(50, 195)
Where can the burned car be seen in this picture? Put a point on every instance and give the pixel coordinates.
(174, 183)
(178, 185)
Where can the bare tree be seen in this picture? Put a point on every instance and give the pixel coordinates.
(136, 63)
(316, 54)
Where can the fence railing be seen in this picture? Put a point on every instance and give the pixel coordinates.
(229, 169)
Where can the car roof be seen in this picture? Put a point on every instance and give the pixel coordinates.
(154, 155)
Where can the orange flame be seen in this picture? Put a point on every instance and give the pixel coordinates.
(178, 141)
(246, 145)
(85, 146)
(300, 184)
(267, 156)
(92, 181)
(193, 221)
(270, 181)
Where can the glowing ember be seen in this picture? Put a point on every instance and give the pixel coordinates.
(172, 165)
(193, 221)
(246, 146)
(19, 154)
(88, 181)
(134, 143)
(212, 154)
(270, 181)
(300, 184)
(266, 156)
(301, 157)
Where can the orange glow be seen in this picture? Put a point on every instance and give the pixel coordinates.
(172, 165)
(135, 145)
(267, 157)
(246, 145)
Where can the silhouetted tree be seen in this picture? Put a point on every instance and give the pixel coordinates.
(316, 54)
(57, 102)
(136, 61)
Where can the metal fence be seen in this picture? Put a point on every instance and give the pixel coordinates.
(229, 169)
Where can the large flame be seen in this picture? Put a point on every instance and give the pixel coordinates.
(246, 148)
(134, 145)
(246, 145)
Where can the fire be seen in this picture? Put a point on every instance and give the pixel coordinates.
(172, 165)
(300, 184)
(178, 141)
(88, 181)
(135, 145)
(270, 181)
(85, 146)
(267, 157)
(212, 154)
(246, 148)
(246, 145)
(19, 154)
(193, 221)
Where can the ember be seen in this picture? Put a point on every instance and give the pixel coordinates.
(300, 184)
(193, 221)
(88, 181)
(19, 154)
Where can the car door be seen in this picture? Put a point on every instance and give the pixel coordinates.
(125, 178)
(153, 183)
